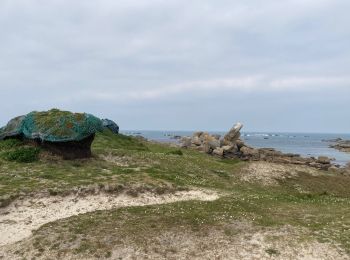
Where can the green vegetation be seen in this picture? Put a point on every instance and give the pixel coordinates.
(176, 152)
(319, 205)
(9, 144)
(272, 251)
(63, 124)
(14, 150)
(22, 154)
(117, 160)
(108, 141)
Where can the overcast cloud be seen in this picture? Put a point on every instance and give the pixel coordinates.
(180, 65)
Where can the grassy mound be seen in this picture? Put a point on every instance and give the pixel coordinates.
(107, 140)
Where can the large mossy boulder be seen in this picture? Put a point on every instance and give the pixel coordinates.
(111, 125)
(65, 133)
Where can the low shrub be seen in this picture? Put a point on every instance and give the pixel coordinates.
(176, 152)
(22, 154)
(9, 143)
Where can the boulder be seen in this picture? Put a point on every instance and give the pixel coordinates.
(186, 142)
(249, 152)
(205, 142)
(214, 144)
(64, 133)
(323, 160)
(234, 134)
(206, 148)
(111, 125)
(196, 141)
(205, 136)
(219, 151)
(229, 148)
(342, 145)
(13, 128)
(240, 143)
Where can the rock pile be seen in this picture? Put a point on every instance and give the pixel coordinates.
(231, 146)
(214, 144)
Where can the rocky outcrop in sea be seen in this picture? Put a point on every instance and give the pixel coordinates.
(231, 146)
(341, 145)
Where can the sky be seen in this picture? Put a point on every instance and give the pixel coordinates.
(279, 66)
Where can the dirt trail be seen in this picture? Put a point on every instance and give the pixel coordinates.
(18, 220)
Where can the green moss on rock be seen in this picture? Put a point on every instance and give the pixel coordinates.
(53, 126)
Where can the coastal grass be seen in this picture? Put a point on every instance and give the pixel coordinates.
(14, 150)
(319, 205)
(117, 159)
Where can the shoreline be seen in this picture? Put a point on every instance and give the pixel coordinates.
(307, 146)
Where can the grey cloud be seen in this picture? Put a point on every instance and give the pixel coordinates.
(146, 63)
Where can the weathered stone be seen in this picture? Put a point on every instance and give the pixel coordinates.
(234, 134)
(323, 160)
(111, 125)
(206, 148)
(196, 141)
(224, 142)
(205, 137)
(186, 142)
(341, 145)
(240, 143)
(229, 148)
(219, 151)
(281, 160)
(249, 152)
(214, 144)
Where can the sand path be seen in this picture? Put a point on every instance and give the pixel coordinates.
(18, 220)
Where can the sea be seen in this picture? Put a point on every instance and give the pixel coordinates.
(305, 144)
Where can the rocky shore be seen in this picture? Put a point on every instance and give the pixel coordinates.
(231, 146)
(341, 145)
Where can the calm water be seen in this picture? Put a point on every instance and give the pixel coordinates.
(306, 145)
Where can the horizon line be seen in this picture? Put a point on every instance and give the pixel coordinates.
(250, 131)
